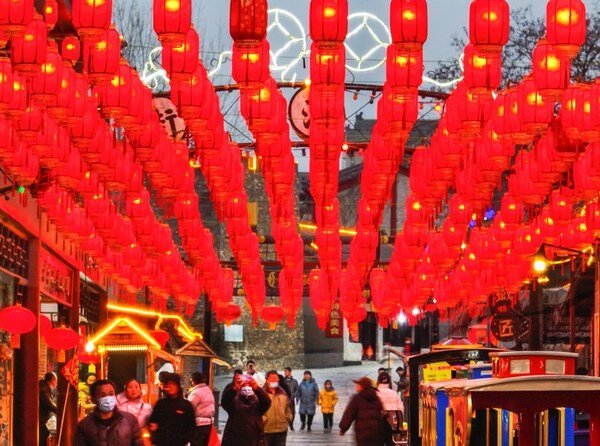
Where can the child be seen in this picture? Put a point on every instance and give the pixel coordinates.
(327, 400)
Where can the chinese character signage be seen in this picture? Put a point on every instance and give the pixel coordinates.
(334, 327)
(56, 278)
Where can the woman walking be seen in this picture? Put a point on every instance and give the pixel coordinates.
(307, 394)
(328, 398)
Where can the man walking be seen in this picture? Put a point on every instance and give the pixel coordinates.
(47, 406)
(279, 414)
(292, 384)
(254, 373)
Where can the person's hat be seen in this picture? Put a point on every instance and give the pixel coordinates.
(364, 382)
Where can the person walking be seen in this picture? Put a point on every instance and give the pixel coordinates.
(131, 401)
(203, 402)
(47, 405)
(245, 403)
(172, 420)
(364, 410)
(307, 394)
(279, 415)
(402, 383)
(328, 398)
(254, 373)
(393, 409)
(107, 425)
(292, 384)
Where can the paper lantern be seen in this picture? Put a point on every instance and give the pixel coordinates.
(328, 20)
(534, 110)
(17, 320)
(248, 21)
(15, 15)
(172, 19)
(70, 48)
(408, 23)
(483, 71)
(180, 59)
(28, 51)
(566, 26)
(51, 13)
(272, 314)
(47, 83)
(489, 24)
(404, 70)
(103, 55)
(551, 72)
(61, 339)
(91, 17)
(250, 64)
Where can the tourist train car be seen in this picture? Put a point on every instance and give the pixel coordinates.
(531, 400)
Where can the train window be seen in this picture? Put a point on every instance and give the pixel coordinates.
(519, 366)
(555, 366)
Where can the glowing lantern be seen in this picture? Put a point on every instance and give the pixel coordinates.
(248, 21)
(115, 96)
(6, 82)
(566, 26)
(28, 51)
(45, 325)
(550, 71)
(327, 65)
(61, 339)
(483, 71)
(230, 313)
(272, 314)
(15, 15)
(404, 70)
(408, 23)
(17, 320)
(535, 112)
(250, 64)
(512, 211)
(91, 17)
(51, 13)
(172, 19)
(70, 48)
(180, 59)
(571, 104)
(489, 24)
(102, 56)
(47, 82)
(328, 20)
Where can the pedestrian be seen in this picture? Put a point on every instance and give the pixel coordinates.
(328, 398)
(402, 383)
(107, 425)
(245, 403)
(254, 373)
(292, 384)
(307, 394)
(172, 420)
(203, 402)
(364, 410)
(47, 405)
(279, 415)
(393, 409)
(130, 400)
(86, 406)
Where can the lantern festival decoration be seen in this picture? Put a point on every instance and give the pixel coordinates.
(566, 26)
(62, 338)
(16, 320)
(91, 17)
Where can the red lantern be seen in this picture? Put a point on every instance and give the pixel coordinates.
(535, 112)
(102, 56)
(551, 73)
(91, 17)
(61, 339)
(70, 48)
(115, 96)
(327, 65)
(6, 82)
(566, 26)
(272, 314)
(328, 20)
(15, 15)
(172, 19)
(483, 71)
(45, 325)
(180, 60)
(408, 23)
(28, 51)
(161, 336)
(489, 24)
(17, 320)
(47, 83)
(50, 13)
(404, 70)
(230, 313)
(250, 64)
(248, 21)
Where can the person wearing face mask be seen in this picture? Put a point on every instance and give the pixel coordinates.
(279, 415)
(172, 421)
(245, 403)
(130, 400)
(107, 425)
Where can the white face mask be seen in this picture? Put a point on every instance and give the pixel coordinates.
(273, 385)
(107, 403)
(246, 391)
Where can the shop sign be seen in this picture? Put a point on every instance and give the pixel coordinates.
(13, 252)
(334, 325)
(56, 279)
(437, 371)
(508, 326)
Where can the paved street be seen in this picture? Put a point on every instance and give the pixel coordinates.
(342, 381)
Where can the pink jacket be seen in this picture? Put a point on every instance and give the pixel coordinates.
(203, 402)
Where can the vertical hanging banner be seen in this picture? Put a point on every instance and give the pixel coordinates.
(334, 325)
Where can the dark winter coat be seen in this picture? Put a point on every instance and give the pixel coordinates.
(245, 424)
(292, 385)
(364, 409)
(307, 394)
(176, 422)
(122, 429)
(47, 402)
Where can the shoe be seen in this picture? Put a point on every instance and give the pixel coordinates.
(308, 429)
(302, 427)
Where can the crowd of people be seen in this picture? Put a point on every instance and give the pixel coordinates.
(261, 409)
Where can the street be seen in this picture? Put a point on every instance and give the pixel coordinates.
(342, 382)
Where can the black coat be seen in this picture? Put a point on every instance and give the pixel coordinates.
(365, 410)
(245, 425)
(122, 429)
(47, 402)
(176, 422)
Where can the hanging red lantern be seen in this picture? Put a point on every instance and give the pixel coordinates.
(115, 96)
(272, 314)
(15, 15)
(248, 21)
(408, 23)
(566, 26)
(180, 60)
(28, 51)
(51, 13)
(91, 17)
(61, 339)
(172, 19)
(250, 64)
(535, 112)
(16, 320)
(404, 70)
(328, 20)
(102, 56)
(489, 24)
(483, 71)
(47, 83)
(45, 325)
(551, 72)
(327, 65)
(70, 48)
(161, 336)
(6, 82)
